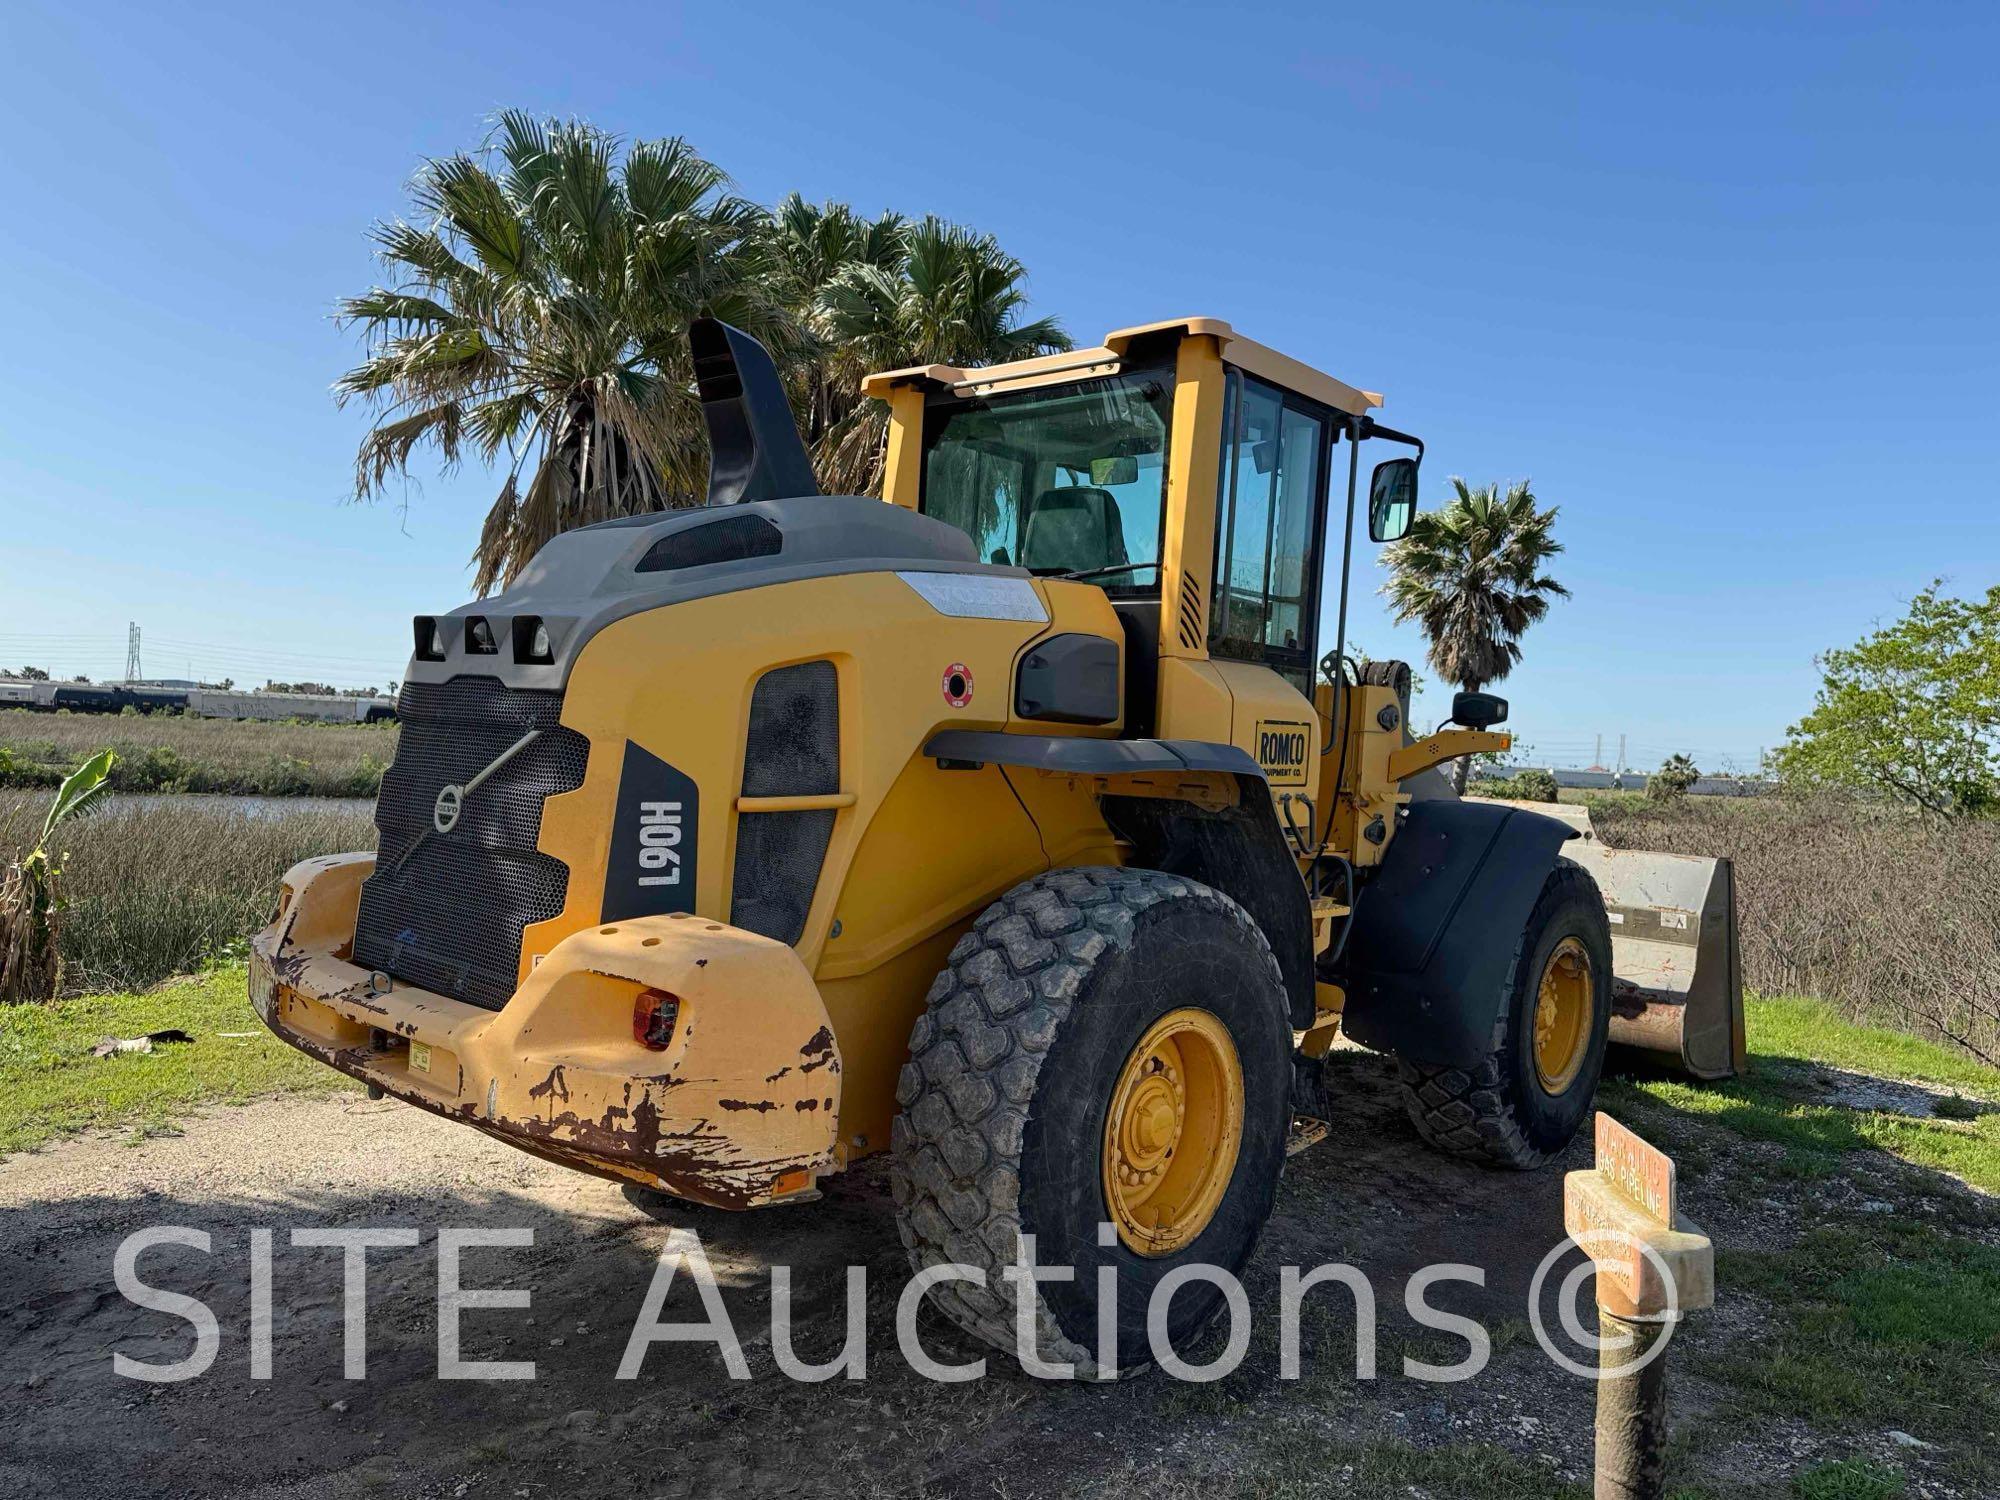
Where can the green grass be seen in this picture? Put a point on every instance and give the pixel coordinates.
(178, 753)
(1778, 1101)
(1814, 1031)
(1850, 1479)
(1880, 1319)
(1280, 1461)
(1889, 1323)
(51, 1086)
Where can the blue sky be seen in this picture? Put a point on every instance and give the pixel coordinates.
(1721, 280)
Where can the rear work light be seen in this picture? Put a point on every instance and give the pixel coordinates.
(531, 640)
(653, 1016)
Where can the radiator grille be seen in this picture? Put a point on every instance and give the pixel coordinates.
(445, 911)
(793, 750)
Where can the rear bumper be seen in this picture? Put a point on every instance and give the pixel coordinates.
(738, 1111)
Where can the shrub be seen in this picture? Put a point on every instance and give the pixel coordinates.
(1870, 905)
(284, 776)
(159, 769)
(160, 888)
(1671, 782)
(165, 753)
(1528, 786)
(1537, 786)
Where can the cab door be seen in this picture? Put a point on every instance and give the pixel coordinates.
(1263, 624)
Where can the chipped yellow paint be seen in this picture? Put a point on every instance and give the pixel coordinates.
(731, 1113)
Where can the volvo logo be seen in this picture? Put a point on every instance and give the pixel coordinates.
(451, 801)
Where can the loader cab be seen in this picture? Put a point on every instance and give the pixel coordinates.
(1063, 480)
(1197, 477)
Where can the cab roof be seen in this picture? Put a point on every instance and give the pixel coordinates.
(1105, 359)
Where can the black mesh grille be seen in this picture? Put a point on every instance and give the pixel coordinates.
(778, 857)
(793, 751)
(444, 911)
(730, 540)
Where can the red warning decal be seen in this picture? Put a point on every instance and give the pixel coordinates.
(958, 684)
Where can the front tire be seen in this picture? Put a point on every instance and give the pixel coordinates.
(1525, 1100)
(1104, 1047)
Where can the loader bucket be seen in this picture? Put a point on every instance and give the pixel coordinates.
(1677, 972)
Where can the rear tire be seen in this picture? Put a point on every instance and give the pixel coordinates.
(1030, 1035)
(1508, 1109)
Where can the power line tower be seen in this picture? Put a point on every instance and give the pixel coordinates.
(132, 672)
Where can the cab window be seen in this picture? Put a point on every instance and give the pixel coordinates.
(1059, 479)
(1268, 523)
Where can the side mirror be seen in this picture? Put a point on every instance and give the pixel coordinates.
(1392, 499)
(1477, 710)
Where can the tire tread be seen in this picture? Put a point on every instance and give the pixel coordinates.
(1466, 1112)
(976, 1056)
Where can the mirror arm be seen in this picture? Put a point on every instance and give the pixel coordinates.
(1369, 428)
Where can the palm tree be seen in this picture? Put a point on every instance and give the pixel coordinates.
(539, 311)
(536, 319)
(809, 247)
(1471, 575)
(956, 298)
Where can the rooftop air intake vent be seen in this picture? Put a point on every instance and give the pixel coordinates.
(730, 539)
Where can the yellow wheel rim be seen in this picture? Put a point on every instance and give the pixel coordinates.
(1562, 1015)
(1173, 1131)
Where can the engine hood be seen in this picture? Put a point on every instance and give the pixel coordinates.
(589, 578)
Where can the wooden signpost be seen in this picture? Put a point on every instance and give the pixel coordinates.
(1654, 1266)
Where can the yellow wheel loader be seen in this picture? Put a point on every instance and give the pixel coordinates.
(1013, 825)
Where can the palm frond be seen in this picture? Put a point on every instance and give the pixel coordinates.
(1470, 575)
(538, 303)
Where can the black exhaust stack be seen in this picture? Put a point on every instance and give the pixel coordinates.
(753, 443)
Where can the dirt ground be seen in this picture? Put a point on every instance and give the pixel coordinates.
(1371, 1195)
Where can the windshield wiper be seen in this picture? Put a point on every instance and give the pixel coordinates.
(1124, 567)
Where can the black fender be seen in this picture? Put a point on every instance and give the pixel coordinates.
(1236, 850)
(1078, 755)
(1437, 927)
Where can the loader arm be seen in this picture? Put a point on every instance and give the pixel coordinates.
(1446, 744)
